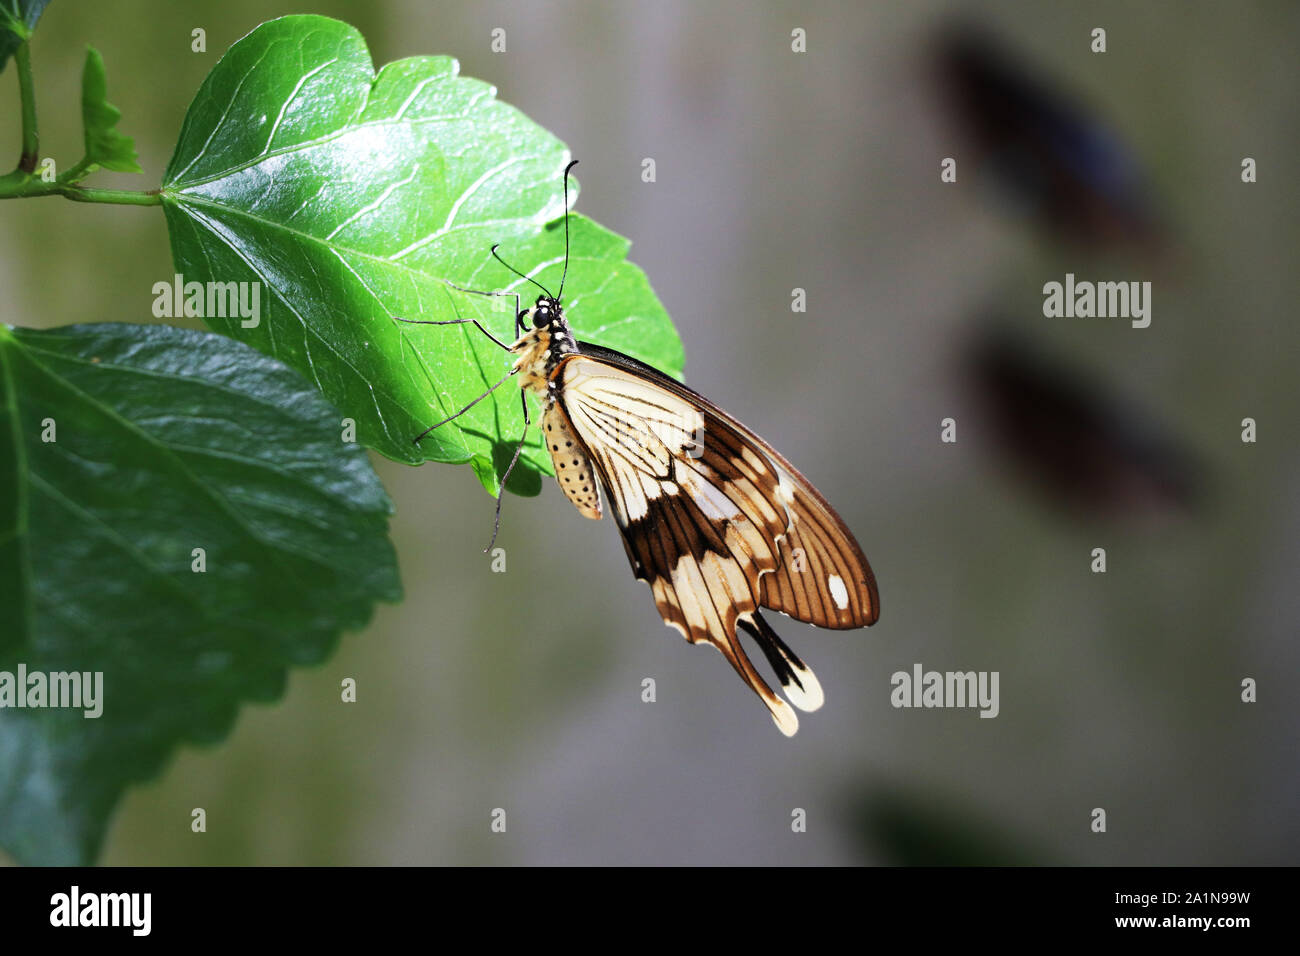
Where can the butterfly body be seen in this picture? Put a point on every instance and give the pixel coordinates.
(713, 519)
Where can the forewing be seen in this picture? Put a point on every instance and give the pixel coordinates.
(821, 577)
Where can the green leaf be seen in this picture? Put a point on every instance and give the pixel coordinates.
(353, 198)
(105, 146)
(17, 21)
(915, 827)
(122, 449)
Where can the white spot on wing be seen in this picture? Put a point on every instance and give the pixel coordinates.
(838, 591)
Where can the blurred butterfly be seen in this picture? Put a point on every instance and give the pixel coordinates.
(712, 517)
(1049, 155)
(1090, 450)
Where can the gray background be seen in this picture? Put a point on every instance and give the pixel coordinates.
(775, 170)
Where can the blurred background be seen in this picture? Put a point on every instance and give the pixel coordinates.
(817, 170)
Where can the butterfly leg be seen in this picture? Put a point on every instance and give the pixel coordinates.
(519, 325)
(501, 494)
(475, 322)
(422, 434)
(398, 318)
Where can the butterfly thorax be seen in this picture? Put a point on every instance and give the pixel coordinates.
(543, 347)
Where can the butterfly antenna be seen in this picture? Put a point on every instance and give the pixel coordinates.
(518, 273)
(565, 275)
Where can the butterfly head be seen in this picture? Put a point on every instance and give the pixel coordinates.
(549, 323)
(547, 319)
(545, 345)
(546, 314)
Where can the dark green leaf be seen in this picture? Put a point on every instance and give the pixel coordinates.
(17, 21)
(913, 827)
(164, 440)
(354, 198)
(105, 146)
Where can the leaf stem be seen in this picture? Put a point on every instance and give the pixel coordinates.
(120, 197)
(21, 185)
(27, 95)
(76, 173)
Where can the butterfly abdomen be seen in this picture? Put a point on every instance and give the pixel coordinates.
(573, 469)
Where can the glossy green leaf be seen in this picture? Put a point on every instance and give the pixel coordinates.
(106, 148)
(353, 197)
(123, 448)
(17, 21)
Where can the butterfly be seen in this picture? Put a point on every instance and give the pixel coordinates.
(713, 518)
(1049, 156)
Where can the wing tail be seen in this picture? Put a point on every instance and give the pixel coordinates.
(798, 681)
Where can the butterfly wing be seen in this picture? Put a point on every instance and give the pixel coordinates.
(706, 510)
(822, 577)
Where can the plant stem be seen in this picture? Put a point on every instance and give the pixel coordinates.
(19, 185)
(27, 93)
(76, 173)
(120, 197)
(22, 183)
